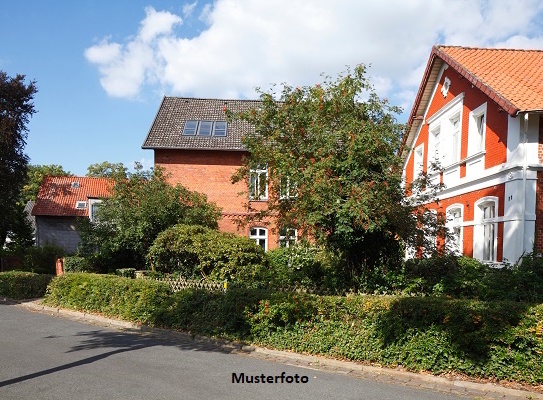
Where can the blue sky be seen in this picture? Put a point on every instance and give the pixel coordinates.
(102, 67)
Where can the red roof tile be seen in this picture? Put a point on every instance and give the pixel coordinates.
(513, 78)
(58, 195)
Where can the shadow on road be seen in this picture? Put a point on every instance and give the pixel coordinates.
(115, 342)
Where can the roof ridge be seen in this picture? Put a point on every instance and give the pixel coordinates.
(210, 99)
(441, 46)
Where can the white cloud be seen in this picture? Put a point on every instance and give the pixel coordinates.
(188, 9)
(248, 44)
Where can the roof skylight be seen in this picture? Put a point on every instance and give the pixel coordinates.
(205, 128)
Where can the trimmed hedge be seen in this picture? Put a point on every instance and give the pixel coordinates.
(23, 285)
(497, 340)
(135, 300)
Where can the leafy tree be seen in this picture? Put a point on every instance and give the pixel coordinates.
(141, 206)
(332, 157)
(35, 176)
(106, 169)
(16, 108)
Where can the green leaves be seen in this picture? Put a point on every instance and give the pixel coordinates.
(140, 208)
(337, 143)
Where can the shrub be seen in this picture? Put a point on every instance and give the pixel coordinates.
(197, 252)
(132, 299)
(42, 259)
(23, 285)
(303, 265)
(77, 264)
(126, 272)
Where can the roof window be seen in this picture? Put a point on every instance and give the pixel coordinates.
(205, 128)
(80, 205)
(75, 185)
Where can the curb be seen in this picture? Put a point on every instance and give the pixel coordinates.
(392, 376)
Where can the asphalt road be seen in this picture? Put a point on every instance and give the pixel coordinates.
(47, 357)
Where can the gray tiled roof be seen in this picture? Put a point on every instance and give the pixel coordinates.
(167, 128)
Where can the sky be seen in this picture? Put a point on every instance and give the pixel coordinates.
(103, 67)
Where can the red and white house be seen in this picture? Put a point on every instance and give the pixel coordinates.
(479, 113)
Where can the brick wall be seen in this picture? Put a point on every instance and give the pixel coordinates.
(210, 172)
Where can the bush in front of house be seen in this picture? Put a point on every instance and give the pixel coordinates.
(305, 266)
(197, 252)
(23, 285)
(42, 259)
(136, 300)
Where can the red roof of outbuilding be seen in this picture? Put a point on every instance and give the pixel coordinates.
(58, 195)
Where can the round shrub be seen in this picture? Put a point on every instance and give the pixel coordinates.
(196, 252)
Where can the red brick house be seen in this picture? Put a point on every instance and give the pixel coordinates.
(479, 113)
(200, 150)
(63, 199)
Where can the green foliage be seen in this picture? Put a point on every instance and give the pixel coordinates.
(197, 252)
(23, 285)
(42, 259)
(126, 272)
(339, 155)
(139, 209)
(16, 108)
(304, 265)
(461, 277)
(497, 339)
(106, 169)
(35, 176)
(131, 299)
(78, 264)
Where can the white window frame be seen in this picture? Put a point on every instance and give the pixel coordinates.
(259, 235)
(258, 190)
(485, 232)
(92, 203)
(287, 236)
(456, 137)
(435, 150)
(287, 190)
(418, 161)
(477, 132)
(453, 225)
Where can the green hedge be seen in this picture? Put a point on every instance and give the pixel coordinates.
(497, 340)
(23, 285)
(131, 299)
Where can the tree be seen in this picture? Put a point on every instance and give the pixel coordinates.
(332, 158)
(106, 169)
(16, 108)
(35, 175)
(142, 206)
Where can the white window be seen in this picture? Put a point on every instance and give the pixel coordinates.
(80, 205)
(94, 204)
(258, 182)
(455, 226)
(260, 236)
(287, 189)
(456, 138)
(477, 130)
(486, 229)
(287, 237)
(418, 161)
(435, 152)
